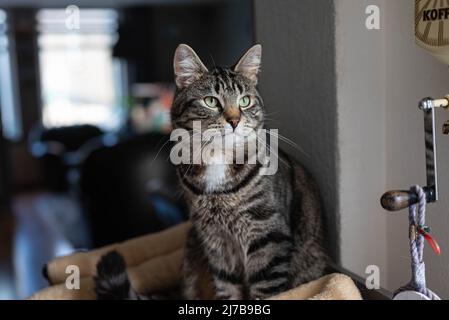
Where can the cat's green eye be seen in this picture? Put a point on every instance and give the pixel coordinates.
(211, 102)
(244, 102)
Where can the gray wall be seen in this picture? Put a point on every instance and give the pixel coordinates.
(361, 120)
(298, 87)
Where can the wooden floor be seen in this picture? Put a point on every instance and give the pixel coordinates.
(42, 225)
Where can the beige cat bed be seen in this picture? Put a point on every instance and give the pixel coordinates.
(154, 264)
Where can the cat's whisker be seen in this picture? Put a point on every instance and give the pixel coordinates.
(160, 149)
(267, 119)
(195, 134)
(289, 142)
(203, 144)
(276, 154)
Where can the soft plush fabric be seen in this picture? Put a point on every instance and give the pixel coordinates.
(154, 264)
(331, 287)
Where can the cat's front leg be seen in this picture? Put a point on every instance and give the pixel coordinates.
(193, 264)
(226, 271)
(268, 265)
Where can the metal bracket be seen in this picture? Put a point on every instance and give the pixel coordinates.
(401, 199)
(428, 106)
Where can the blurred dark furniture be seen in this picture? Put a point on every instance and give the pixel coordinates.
(126, 185)
(130, 189)
(57, 149)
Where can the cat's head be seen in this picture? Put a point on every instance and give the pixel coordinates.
(225, 99)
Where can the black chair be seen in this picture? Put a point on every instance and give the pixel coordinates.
(130, 189)
(54, 147)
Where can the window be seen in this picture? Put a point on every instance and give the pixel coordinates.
(9, 106)
(81, 82)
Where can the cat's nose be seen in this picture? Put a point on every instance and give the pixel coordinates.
(234, 122)
(232, 116)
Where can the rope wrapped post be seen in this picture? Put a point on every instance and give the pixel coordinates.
(417, 216)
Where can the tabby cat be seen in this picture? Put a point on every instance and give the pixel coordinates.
(253, 235)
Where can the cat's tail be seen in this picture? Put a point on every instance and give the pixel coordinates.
(112, 281)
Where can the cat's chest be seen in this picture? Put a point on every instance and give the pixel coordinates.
(222, 213)
(214, 177)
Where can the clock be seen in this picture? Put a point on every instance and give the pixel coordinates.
(432, 27)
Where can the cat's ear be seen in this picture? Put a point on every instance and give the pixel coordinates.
(249, 64)
(187, 66)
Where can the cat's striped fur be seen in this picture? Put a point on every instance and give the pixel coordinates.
(253, 235)
(257, 234)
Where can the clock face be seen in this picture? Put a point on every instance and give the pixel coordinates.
(432, 22)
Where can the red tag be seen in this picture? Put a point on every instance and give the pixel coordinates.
(433, 243)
